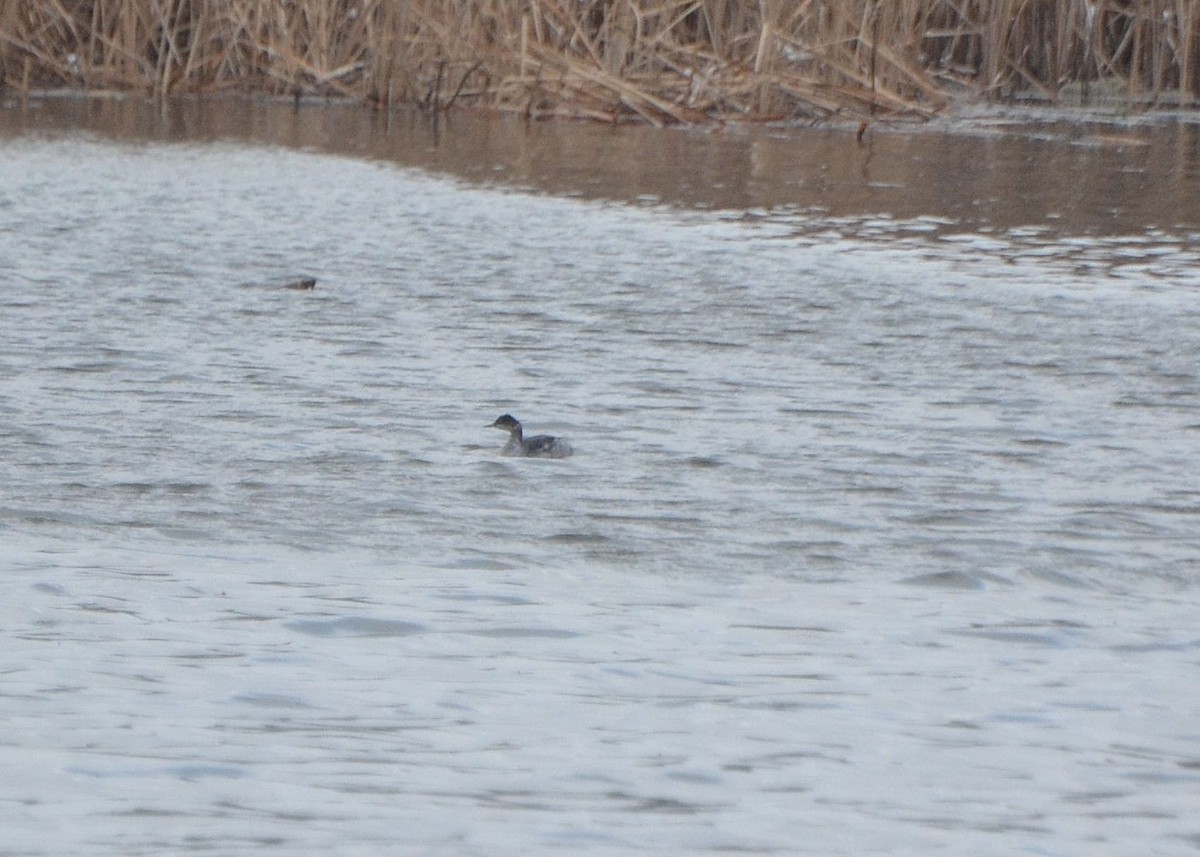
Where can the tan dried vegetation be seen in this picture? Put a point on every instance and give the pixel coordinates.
(659, 61)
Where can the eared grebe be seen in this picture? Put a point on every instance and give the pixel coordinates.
(541, 446)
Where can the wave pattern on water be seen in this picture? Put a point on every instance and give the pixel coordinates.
(884, 402)
(891, 543)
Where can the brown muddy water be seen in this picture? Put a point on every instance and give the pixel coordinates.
(881, 534)
(980, 169)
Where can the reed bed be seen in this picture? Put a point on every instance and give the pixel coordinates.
(658, 61)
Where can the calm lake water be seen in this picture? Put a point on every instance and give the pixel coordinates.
(882, 534)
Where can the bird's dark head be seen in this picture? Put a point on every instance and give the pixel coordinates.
(508, 423)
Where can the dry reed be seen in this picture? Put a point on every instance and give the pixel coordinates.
(658, 61)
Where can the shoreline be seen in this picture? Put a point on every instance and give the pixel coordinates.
(963, 113)
(675, 62)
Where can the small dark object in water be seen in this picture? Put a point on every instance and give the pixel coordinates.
(540, 446)
(303, 284)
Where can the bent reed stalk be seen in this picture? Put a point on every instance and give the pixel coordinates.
(658, 61)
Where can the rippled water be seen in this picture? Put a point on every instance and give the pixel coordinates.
(881, 534)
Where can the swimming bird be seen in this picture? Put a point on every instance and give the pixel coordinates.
(539, 446)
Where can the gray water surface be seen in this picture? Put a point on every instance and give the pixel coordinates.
(881, 534)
